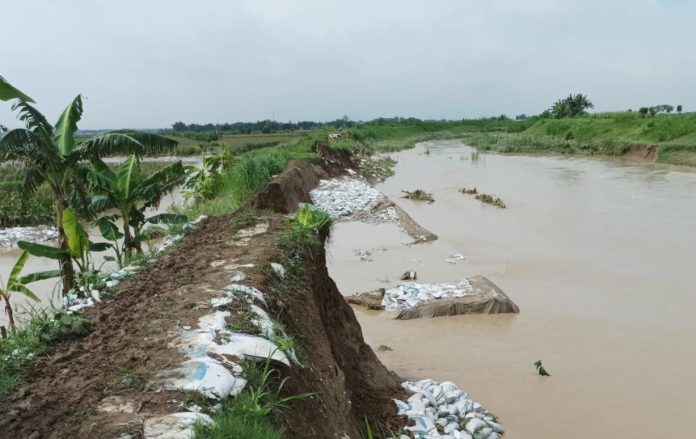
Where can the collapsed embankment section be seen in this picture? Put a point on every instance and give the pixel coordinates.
(105, 385)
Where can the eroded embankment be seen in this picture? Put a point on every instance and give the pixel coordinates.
(135, 336)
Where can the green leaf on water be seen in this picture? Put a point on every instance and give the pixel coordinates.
(540, 369)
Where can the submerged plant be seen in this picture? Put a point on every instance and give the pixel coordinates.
(418, 195)
(540, 369)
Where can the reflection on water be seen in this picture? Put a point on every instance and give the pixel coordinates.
(599, 256)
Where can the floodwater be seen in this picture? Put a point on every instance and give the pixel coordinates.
(599, 255)
(49, 290)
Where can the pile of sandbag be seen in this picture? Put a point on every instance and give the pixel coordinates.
(443, 411)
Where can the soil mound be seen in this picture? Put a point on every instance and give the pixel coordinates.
(290, 188)
(69, 390)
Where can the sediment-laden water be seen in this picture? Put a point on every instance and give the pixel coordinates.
(598, 254)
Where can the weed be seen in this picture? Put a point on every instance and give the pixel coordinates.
(252, 413)
(28, 344)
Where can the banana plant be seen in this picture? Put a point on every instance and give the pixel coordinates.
(79, 247)
(131, 194)
(202, 182)
(16, 284)
(109, 231)
(52, 155)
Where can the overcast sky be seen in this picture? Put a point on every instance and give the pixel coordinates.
(149, 63)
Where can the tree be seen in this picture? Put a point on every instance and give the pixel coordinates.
(571, 106)
(127, 191)
(15, 284)
(679, 108)
(52, 156)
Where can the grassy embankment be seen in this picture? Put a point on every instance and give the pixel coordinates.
(612, 134)
(197, 143)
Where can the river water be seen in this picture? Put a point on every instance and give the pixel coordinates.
(49, 290)
(599, 255)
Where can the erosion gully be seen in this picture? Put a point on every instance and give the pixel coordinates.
(598, 254)
(48, 290)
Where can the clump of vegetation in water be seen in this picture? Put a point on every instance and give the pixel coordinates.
(418, 195)
(490, 199)
(484, 198)
(540, 369)
(377, 169)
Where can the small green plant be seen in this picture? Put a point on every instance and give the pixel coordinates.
(540, 369)
(255, 412)
(313, 219)
(16, 284)
(262, 400)
(28, 343)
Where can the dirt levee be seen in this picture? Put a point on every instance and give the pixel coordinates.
(289, 188)
(133, 332)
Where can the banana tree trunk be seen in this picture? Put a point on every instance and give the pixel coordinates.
(67, 272)
(127, 237)
(10, 314)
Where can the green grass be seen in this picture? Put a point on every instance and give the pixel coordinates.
(395, 137)
(251, 172)
(605, 133)
(25, 346)
(256, 413)
(240, 143)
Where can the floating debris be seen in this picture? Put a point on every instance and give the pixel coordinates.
(409, 275)
(365, 255)
(442, 407)
(418, 195)
(410, 294)
(490, 199)
(484, 198)
(454, 258)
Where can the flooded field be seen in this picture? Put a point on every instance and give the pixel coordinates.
(48, 290)
(599, 255)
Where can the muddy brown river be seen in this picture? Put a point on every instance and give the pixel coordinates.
(599, 255)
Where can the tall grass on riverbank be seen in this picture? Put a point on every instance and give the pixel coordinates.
(251, 172)
(395, 137)
(674, 136)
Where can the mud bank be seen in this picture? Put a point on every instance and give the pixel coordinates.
(104, 385)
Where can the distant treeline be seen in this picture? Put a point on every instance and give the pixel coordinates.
(272, 126)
